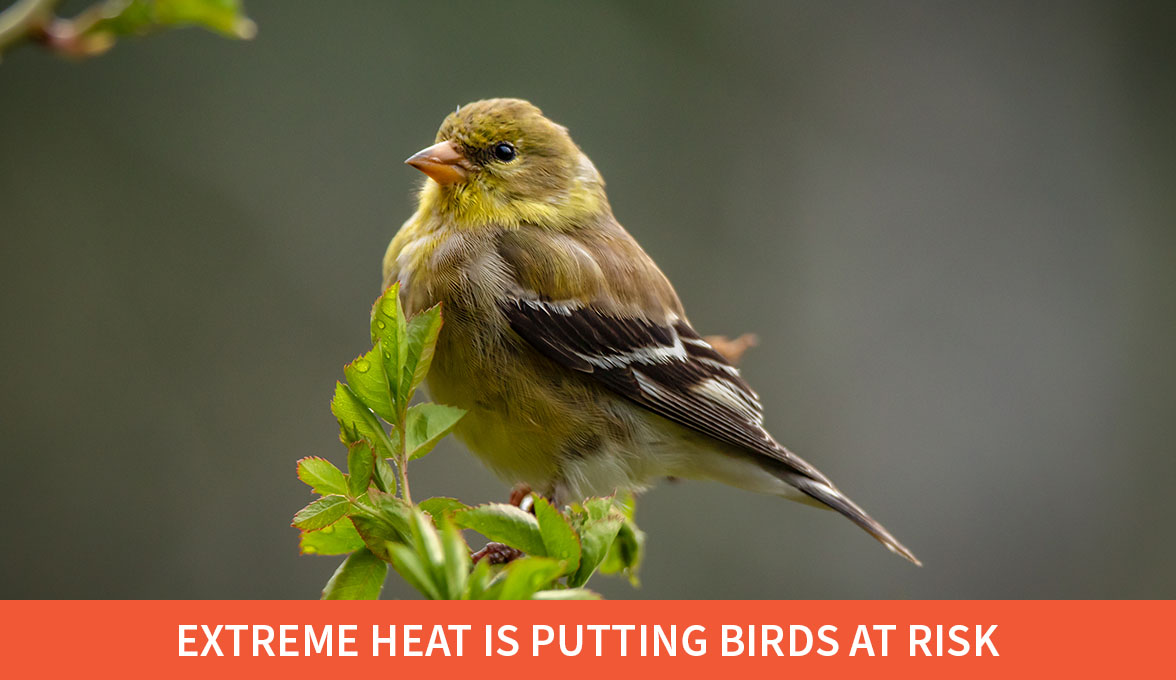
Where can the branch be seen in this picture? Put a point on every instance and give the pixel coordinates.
(23, 20)
(97, 27)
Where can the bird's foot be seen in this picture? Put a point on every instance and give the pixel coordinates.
(519, 493)
(500, 553)
(520, 497)
(497, 553)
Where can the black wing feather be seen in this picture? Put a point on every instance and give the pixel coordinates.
(662, 367)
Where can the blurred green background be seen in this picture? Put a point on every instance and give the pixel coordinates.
(952, 225)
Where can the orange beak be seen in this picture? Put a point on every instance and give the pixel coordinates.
(442, 162)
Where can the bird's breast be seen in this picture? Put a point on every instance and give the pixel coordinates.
(522, 410)
(465, 275)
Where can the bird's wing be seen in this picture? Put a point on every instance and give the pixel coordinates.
(665, 367)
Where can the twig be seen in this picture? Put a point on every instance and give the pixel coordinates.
(23, 20)
(402, 457)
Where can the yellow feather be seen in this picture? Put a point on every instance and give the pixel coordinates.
(537, 226)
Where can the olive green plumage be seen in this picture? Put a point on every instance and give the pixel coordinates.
(562, 339)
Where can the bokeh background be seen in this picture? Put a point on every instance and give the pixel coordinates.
(952, 225)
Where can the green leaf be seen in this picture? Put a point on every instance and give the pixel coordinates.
(479, 581)
(446, 558)
(421, 343)
(427, 424)
(385, 518)
(625, 553)
(322, 476)
(134, 17)
(427, 544)
(505, 524)
(596, 536)
(528, 575)
(340, 538)
(566, 594)
(357, 421)
(321, 513)
(440, 506)
(628, 548)
(360, 577)
(412, 568)
(559, 540)
(366, 377)
(394, 510)
(627, 502)
(599, 508)
(390, 332)
(457, 559)
(385, 475)
(360, 462)
(376, 534)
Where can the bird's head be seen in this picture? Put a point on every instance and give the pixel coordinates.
(501, 162)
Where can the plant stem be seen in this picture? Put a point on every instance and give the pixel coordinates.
(402, 457)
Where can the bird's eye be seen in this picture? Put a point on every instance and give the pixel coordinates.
(504, 152)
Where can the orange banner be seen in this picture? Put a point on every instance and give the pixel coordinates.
(877, 639)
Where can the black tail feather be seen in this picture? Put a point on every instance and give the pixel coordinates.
(828, 495)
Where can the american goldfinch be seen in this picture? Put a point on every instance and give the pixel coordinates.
(562, 339)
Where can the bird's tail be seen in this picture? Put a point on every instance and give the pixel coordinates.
(828, 495)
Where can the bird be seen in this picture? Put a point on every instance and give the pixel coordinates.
(562, 339)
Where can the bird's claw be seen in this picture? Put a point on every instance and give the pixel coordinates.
(497, 553)
(519, 494)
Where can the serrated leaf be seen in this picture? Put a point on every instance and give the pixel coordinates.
(628, 548)
(412, 568)
(566, 594)
(457, 559)
(440, 506)
(135, 17)
(360, 463)
(596, 536)
(436, 554)
(559, 540)
(385, 475)
(340, 538)
(321, 513)
(598, 508)
(366, 377)
(625, 553)
(505, 524)
(427, 543)
(357, 421)
(375, 534)
(528, 575)
(479, 581)
(321, 476)
(383, 519)
(421, 334)
(396, 510)
(627, 502)
(360, 577)
(390, 331)
(427, 424)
